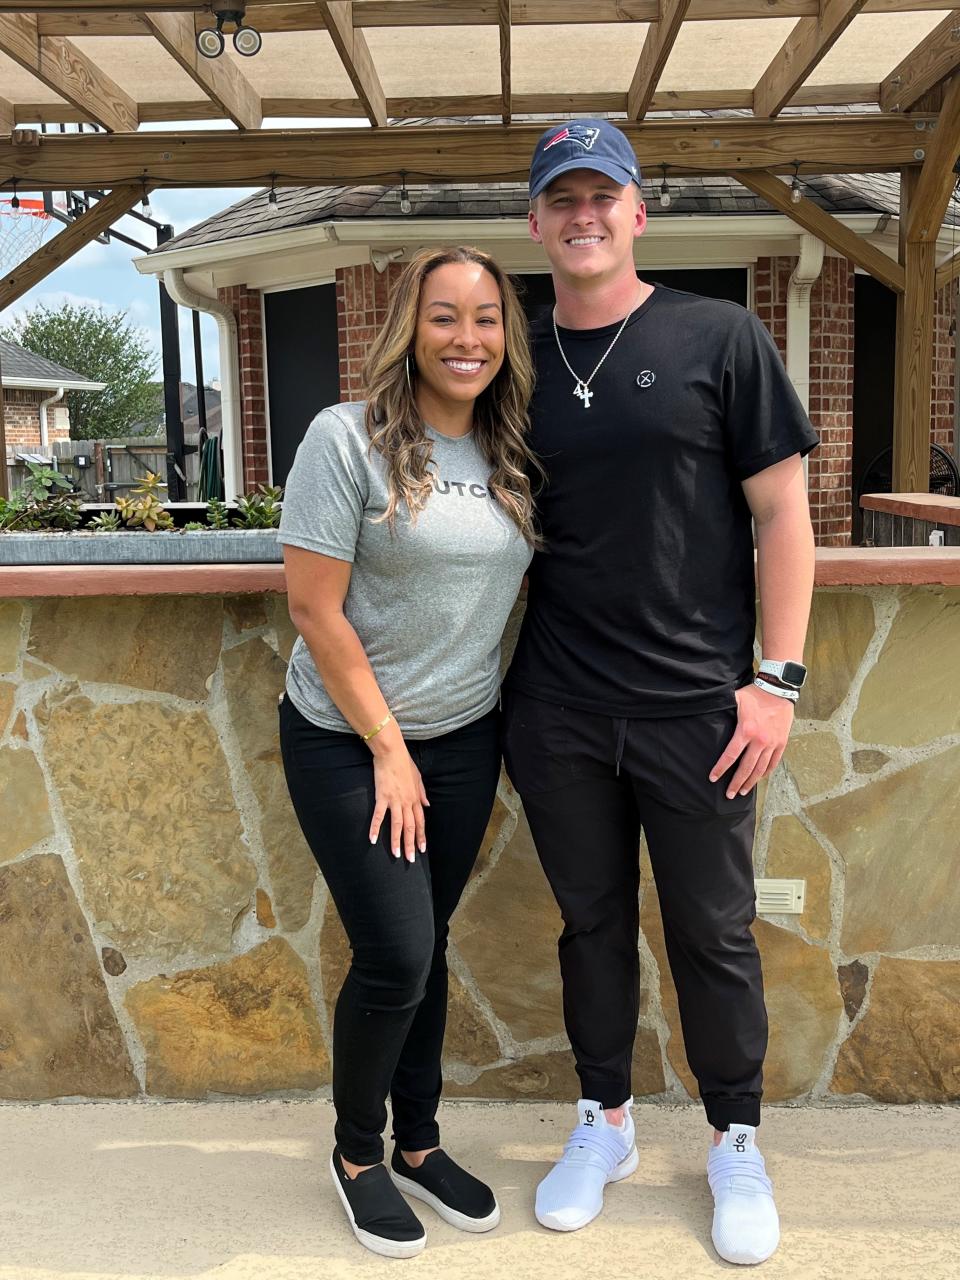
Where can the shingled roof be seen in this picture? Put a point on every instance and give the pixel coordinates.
(25, 368)
(307, 206)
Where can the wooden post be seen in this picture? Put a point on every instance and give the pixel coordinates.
(914, 353)
(100, 471)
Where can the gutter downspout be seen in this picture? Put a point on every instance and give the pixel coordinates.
(805, 274)
(230, 406)
(44, 438)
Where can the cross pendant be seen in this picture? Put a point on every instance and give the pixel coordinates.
(583, 393)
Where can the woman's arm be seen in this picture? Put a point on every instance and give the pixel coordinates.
(316, 589)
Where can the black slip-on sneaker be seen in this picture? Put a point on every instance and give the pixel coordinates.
(381, 1219)
(459, 1198)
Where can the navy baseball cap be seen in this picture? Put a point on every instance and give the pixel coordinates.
(582, 144)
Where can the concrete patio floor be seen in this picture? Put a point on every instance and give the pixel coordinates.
(240, 1191)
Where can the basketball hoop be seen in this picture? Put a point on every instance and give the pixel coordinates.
(21, 231)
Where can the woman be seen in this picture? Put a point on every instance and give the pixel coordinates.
(407, 527)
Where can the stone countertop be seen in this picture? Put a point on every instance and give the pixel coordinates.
(921, 506)
(836, 567)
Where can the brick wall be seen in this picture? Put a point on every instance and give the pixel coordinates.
(831, 403)
(247, 306)
(21, 416)
(362, 294)
(831, 383)
(944, 346)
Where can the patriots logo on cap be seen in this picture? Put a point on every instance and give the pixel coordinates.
(578, 133)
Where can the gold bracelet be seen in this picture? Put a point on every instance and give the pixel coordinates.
(377, 727)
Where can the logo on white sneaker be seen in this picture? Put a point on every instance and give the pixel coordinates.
(646, 378)
(740, 1142)
(588, 1116)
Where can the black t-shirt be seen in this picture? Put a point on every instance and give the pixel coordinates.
(642, 602)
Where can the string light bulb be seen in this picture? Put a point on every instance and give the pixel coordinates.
(405, 205)
(796, 189)
(272, 204)
(15, 199)
(145, 202)
(665, 197)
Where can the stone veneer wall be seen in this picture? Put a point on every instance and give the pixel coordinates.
(163, 931)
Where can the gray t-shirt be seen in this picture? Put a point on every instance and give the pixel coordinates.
(429, 601)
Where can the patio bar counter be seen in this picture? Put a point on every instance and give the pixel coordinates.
(165, 934)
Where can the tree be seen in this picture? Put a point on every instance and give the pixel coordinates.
(103, 346)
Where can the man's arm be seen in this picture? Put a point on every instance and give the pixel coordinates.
(785, 559)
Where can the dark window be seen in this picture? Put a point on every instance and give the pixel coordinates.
(874, 346)
(726, 282)
(303, 366)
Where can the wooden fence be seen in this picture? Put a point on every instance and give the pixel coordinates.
(112, 467)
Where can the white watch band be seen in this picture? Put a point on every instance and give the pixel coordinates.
(774, 667)
(790, 694)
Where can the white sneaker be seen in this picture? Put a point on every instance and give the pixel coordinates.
(746, 1228)
(571, 1195)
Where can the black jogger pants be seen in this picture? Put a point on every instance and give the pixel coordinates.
(589, 784)
(391, 1013)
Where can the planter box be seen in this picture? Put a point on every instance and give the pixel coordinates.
(206, 546)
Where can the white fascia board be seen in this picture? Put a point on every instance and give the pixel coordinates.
(202, 256)
(308, 264)
(51, 384)
(744, 226)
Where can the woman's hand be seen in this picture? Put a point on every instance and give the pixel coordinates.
(400, 792)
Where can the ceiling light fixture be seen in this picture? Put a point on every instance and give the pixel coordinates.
(246, 40)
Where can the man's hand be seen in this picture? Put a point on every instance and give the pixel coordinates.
(763, 727)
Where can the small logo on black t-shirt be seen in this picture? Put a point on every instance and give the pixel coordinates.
(646, 378)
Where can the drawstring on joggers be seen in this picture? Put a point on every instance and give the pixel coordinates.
(621, 739)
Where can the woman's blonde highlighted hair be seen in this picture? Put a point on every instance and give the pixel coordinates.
(500, 421)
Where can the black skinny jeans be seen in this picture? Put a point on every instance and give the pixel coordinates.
(391, 1013)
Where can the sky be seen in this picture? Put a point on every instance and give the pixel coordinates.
(105, 274)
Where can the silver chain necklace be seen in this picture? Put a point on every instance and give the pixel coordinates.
(582, 389)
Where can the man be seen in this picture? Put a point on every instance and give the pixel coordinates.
(667, 428)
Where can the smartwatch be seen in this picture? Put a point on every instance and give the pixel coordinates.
(792, 674)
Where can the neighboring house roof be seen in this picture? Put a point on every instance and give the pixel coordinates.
(24, 369)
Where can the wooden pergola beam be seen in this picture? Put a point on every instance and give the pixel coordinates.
(923, 68)
(806, 45)
(68, 242)
(825, 227)
(351, 44)
(657, 45)
(581, 104)
(219, 78)
(63, 68)
(283, 15)
(937, 178)
(454, 153)
(7, 116)
(504, 8)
